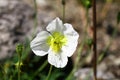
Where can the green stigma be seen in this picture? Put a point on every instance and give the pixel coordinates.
(56, 41)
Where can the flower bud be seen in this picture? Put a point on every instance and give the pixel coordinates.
(19, 49)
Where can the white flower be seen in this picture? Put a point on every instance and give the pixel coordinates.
(59, 42)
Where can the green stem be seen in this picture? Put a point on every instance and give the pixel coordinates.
(35, 17)
(49, 72)
(19, 61)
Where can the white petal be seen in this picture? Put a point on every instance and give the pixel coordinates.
(39, 44)
(55, 26)
(72, 39)
(58, 60)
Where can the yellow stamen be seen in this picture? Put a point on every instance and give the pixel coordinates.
(56, 41)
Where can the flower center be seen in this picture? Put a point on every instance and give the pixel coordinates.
(56, 41)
